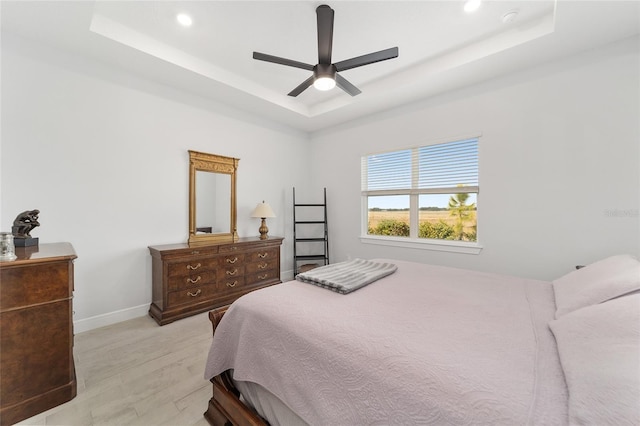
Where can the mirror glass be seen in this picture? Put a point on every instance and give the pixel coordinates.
(213, 202)
(212, 198)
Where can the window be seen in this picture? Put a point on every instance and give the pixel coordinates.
(424, 193)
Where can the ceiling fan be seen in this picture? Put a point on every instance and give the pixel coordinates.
(325, 74)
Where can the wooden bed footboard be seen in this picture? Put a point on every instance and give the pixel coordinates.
(225, 407)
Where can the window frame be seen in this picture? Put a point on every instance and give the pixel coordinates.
(413, 241)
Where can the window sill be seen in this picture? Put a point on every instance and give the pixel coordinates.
(424, 244)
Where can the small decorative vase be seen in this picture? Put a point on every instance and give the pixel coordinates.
(7, 249)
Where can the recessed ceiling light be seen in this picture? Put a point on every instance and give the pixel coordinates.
(184, 19)
(472, 5)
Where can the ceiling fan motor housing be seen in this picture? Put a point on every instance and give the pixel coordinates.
(324, 70)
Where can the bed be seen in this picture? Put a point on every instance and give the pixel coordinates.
(433, 345)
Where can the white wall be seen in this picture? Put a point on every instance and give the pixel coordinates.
(559, 164)
(103, 156)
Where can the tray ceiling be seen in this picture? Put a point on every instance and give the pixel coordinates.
(441, 46)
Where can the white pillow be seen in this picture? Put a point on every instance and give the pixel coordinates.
(599, 349)
(596, 283)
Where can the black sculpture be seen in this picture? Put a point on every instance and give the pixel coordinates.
(24, 224)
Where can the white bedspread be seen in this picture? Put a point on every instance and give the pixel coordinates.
(425, 345)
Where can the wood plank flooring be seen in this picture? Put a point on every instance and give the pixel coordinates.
(138, 373)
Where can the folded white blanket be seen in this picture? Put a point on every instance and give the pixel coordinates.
(345, 277)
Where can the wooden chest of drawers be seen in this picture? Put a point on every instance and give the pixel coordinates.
(36, 331)
(190, 280)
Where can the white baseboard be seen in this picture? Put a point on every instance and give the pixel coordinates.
(103, 320)
(110, 318)
(286, 275)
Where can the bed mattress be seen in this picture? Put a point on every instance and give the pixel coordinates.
(425, 345)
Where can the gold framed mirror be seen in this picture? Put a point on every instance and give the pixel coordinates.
(212, 198)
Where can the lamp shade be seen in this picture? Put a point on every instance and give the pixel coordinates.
(263, 210)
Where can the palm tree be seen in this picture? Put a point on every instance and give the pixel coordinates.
(463, 212)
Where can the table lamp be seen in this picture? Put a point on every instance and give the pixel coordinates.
(263, 210)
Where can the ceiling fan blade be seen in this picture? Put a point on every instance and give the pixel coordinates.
(302, 87)
(325, 33)
(282, 61)
(342, 83)
(370, 58)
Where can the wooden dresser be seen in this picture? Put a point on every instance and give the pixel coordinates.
(36, 331)
(188, 280)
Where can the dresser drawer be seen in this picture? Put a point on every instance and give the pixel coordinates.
(229, 249)
(231, 260)
(192, 295)
(261, 266)
(230, 285)
(191, 267)
(230, 272)
(266, 254)
(259, 277)
(194, 280)
(191, 253)
(34, 284)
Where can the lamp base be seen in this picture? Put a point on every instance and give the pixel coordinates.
(263, 229)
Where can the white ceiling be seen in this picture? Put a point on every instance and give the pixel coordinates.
(441, 46)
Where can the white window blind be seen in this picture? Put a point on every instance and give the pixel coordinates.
(449, 165)
(388, 171)
(446, 167)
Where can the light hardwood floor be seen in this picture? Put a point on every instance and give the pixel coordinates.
(138, 373)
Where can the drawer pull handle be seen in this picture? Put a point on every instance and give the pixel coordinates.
(233, 284)
(262, 277)
(193, 268)
(263, 265)
(197, 293)
(232, 273)
(192, 281)
(234, 260)
(195, 252)
(262, 256)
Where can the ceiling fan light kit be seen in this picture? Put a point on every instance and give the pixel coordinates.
(324, 77)
(325, 73)
(324, 83)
